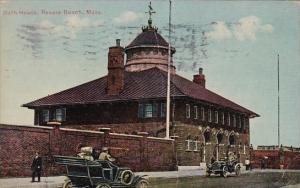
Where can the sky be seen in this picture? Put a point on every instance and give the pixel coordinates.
(49, 46)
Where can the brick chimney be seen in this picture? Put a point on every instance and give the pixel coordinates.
(115, 77)
(200, 78)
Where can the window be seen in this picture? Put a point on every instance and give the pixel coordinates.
(148, 110)
(196, 144)
(246, 123)
(163, 110)
(209, 115)
(154, 109)
(202, 114)
(173, 110)
(206, 136)
(219, 138)
(188, 111)
(188, 143)
(45, 115)
(228, 119)
(141, 111)
(223, 118)
(231, 140)
(234, 120)
(196, 112)
(216, 117)
(60, 114)
(239, 122)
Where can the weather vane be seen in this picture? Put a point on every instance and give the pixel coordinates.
(150, 11)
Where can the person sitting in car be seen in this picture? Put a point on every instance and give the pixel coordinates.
(104, 155)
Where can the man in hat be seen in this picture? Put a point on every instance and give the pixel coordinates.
(104, 155)
(36, 167)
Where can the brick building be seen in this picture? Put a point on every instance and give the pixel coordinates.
(132, 98)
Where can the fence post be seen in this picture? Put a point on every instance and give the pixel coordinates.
(55, 139)
(143, 151)
(175, 155)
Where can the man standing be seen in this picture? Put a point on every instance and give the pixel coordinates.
(36, 167)
(247, 163)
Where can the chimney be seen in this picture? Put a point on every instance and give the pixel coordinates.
(115, 77)
(200, 78)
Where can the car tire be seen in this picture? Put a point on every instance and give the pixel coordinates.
(208, 173)
(142, 183)
(103, 185)
(224, 172)
(68, 184)
(238, 171)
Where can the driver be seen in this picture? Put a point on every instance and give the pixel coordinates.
(104, 155)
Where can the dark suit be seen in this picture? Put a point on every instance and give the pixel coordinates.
(36, 168)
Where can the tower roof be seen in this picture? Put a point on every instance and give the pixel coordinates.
(149, 37)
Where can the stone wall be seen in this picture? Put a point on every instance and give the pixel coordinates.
(18, 145)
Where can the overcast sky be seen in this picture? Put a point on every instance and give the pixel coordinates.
(49, 46)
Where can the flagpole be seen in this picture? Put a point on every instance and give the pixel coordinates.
(168, 81)
(278, 101)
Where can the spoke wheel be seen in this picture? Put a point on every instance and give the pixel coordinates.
(142, 183)
(67, 184)
(103, 185)
(238, 171)
(225, 172)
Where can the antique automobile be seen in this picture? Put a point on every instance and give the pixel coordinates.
(223, 168)
(98, 174)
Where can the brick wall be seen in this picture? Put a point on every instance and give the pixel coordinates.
(153, 128)
(19, 143)
(291, 160)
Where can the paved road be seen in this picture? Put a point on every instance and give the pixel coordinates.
(184, 179)
(250, 180)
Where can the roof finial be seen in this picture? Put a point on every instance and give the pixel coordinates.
(150, 12)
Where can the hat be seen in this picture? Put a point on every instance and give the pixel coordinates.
(104, 149)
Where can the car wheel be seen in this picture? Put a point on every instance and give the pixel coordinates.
(208, 173)
(68, 184)
(225, 172)
(103, 185)
(142, 183)
(238, 171)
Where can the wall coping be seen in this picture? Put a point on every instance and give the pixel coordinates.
(128, 135)
(157, 138)
(30, 126)
(83, 131)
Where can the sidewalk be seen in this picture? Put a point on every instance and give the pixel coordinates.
(57, 181)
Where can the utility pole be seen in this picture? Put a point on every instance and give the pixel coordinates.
(168, 81)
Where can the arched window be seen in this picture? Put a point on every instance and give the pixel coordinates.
(207, 136)
(219, 138)
(231, 140)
